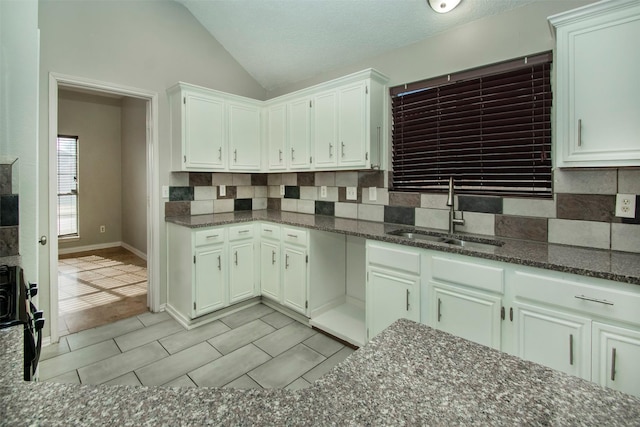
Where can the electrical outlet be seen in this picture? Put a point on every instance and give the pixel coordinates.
(223, 190)
(323, 191)
(165, 191)
(352, 193)
(373, 194)
(626, 205)
(103, 228)
(282, 190)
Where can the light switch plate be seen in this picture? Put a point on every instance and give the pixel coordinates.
(373, 194)
(626, 205)
(165, 191)
(323, 191)
(223, 190)
(352, 193)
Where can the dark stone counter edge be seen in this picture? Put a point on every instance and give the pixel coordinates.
(185, 221)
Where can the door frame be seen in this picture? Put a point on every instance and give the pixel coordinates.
(56, 81)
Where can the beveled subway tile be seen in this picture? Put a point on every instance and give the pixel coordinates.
(176, 365)
(371, 179)
(400, 215)
(629, 180)
(177, 208)
(397, 198)
(306, 179)
(200, 179)
(285, 368)
(259, 179)
(492, 205)
(585, 181)
(230, 367)
(519, 227)
(580, 233)
(586, 207)
(625, 237)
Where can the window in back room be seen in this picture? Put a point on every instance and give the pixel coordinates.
(67, 186)
(489, 128)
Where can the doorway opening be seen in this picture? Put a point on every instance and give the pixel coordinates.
(108, 269)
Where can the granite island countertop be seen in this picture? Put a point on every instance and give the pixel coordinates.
(410, 374)
(604, 264)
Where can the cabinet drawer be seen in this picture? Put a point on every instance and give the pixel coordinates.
(395, 257)
(270, 231)
(593, 299)
(241, 232)
(211, 236)
(292, 235)
(468, 273)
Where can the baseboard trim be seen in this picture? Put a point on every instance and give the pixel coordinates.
(138, 252)
(87, 248)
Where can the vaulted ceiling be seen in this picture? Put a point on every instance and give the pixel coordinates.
(280, 42)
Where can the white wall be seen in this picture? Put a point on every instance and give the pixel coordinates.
(19, 116)
(134, 174)
(515, 33)
(148, 45)
(95, 120)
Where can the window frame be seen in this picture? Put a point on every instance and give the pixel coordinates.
(74, 194)
(425, 153)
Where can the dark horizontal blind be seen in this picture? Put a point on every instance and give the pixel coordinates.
(491, 131)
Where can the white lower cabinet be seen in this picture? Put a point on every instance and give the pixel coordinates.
(616, 353)
(270, 283)
(554, 338)
(242, 263)
(393, 285)
(294, 278)
(209, 283)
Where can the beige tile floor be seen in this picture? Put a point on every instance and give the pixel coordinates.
(100, 287)
(256, 347)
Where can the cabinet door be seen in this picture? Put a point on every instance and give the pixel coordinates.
(325, 133)
(244, 136)
(390, 296)
(294, 280)
(210, 282)
(616, 353)
(299, 125)
(270, 270)
(242, 280)
(468, 314)
(554, 338)
(276, 136)
(352, 126)
(204, 133)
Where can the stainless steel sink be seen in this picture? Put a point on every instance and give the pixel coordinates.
(470, 242)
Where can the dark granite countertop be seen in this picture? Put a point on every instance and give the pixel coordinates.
(10, 260)
(603, 264)
(410, 374)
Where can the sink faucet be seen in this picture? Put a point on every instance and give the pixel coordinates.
(453, 221)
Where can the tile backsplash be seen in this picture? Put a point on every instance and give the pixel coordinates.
(582, 212)
(9, 213)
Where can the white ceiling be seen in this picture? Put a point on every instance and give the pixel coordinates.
(280, 42)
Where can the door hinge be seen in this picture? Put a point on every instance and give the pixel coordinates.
(194, 305)
(306, 259)
(194, 259)
(502, 313)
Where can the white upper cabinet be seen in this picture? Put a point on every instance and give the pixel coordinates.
(299, 134)
(597, 93)
(276, 136)
(325, 133)
(198, 130)
(244, 136)
(352, 125)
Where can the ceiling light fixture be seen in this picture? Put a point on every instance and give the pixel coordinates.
(443, 6)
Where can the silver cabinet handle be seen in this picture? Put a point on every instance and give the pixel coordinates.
(280, 156)
(268, 230)
(286, 261)
(600, 301)
(243, 231)
(407, 299)
(439, 309)
(570, 349)
(293, 236)
(235, 255)
(220, 153)
(579, 132)
(342, 148)
(235, 155)
(273, 257)
(330, 150)
(293, 155)
(219, 263)
(213, 236)
(613, 364)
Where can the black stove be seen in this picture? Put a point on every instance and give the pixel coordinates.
(17, 308)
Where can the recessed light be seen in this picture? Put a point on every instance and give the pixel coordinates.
(443, 6)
